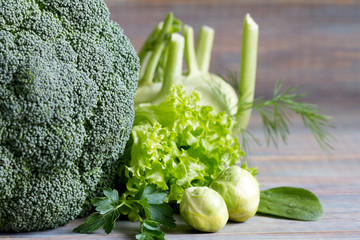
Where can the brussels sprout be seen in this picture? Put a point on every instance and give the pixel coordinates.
(203, 209)
(241, 192)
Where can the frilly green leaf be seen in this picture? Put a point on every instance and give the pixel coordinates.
(178, 144)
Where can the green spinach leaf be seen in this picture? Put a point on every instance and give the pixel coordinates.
(290, 202)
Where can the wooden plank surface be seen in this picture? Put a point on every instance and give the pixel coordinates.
(336, 183)
(311, 43)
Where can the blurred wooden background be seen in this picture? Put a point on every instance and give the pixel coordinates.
(315, 44)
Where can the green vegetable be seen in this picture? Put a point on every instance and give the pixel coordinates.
(248, 69)
(240, 190)
(178, 144)
(148, 201)
(68, 76)
(214, 90)
(152, 59)
(203, 209)
(172, 66)
(290, 202)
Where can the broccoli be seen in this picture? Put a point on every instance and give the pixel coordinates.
(68, 77)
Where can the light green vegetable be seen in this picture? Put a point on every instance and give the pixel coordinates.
(155, 82)
(240, 190)
(152, 52)
(248, 68)
(291, 202)
(173, 66)
(203, 209)
(215, 91)
(178, 144)
(153, 55)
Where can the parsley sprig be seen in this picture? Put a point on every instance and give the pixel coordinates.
(147, 206)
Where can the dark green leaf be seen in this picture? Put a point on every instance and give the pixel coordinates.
(150, 230)
(153, 194)
(143, 236)
(110, 220)
(107, 213)
(163, 214)
(97, 200)
(144, 203)
(112, 195)
(92, 223)
(146, 235)
(290, 202)
(151, 199)
(151, 225)
(104, 206)
(108, 203)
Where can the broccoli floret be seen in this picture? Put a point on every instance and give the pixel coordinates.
(68, 77)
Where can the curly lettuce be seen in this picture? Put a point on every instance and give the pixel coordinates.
(178, 144)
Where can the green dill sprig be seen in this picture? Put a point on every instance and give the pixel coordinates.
(276, 116)
(247, 140)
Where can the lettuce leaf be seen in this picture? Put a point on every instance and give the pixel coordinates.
(178, 144)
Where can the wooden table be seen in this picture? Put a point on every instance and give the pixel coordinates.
(316, 45)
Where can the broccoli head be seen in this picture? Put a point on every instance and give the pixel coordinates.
(68, 77)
